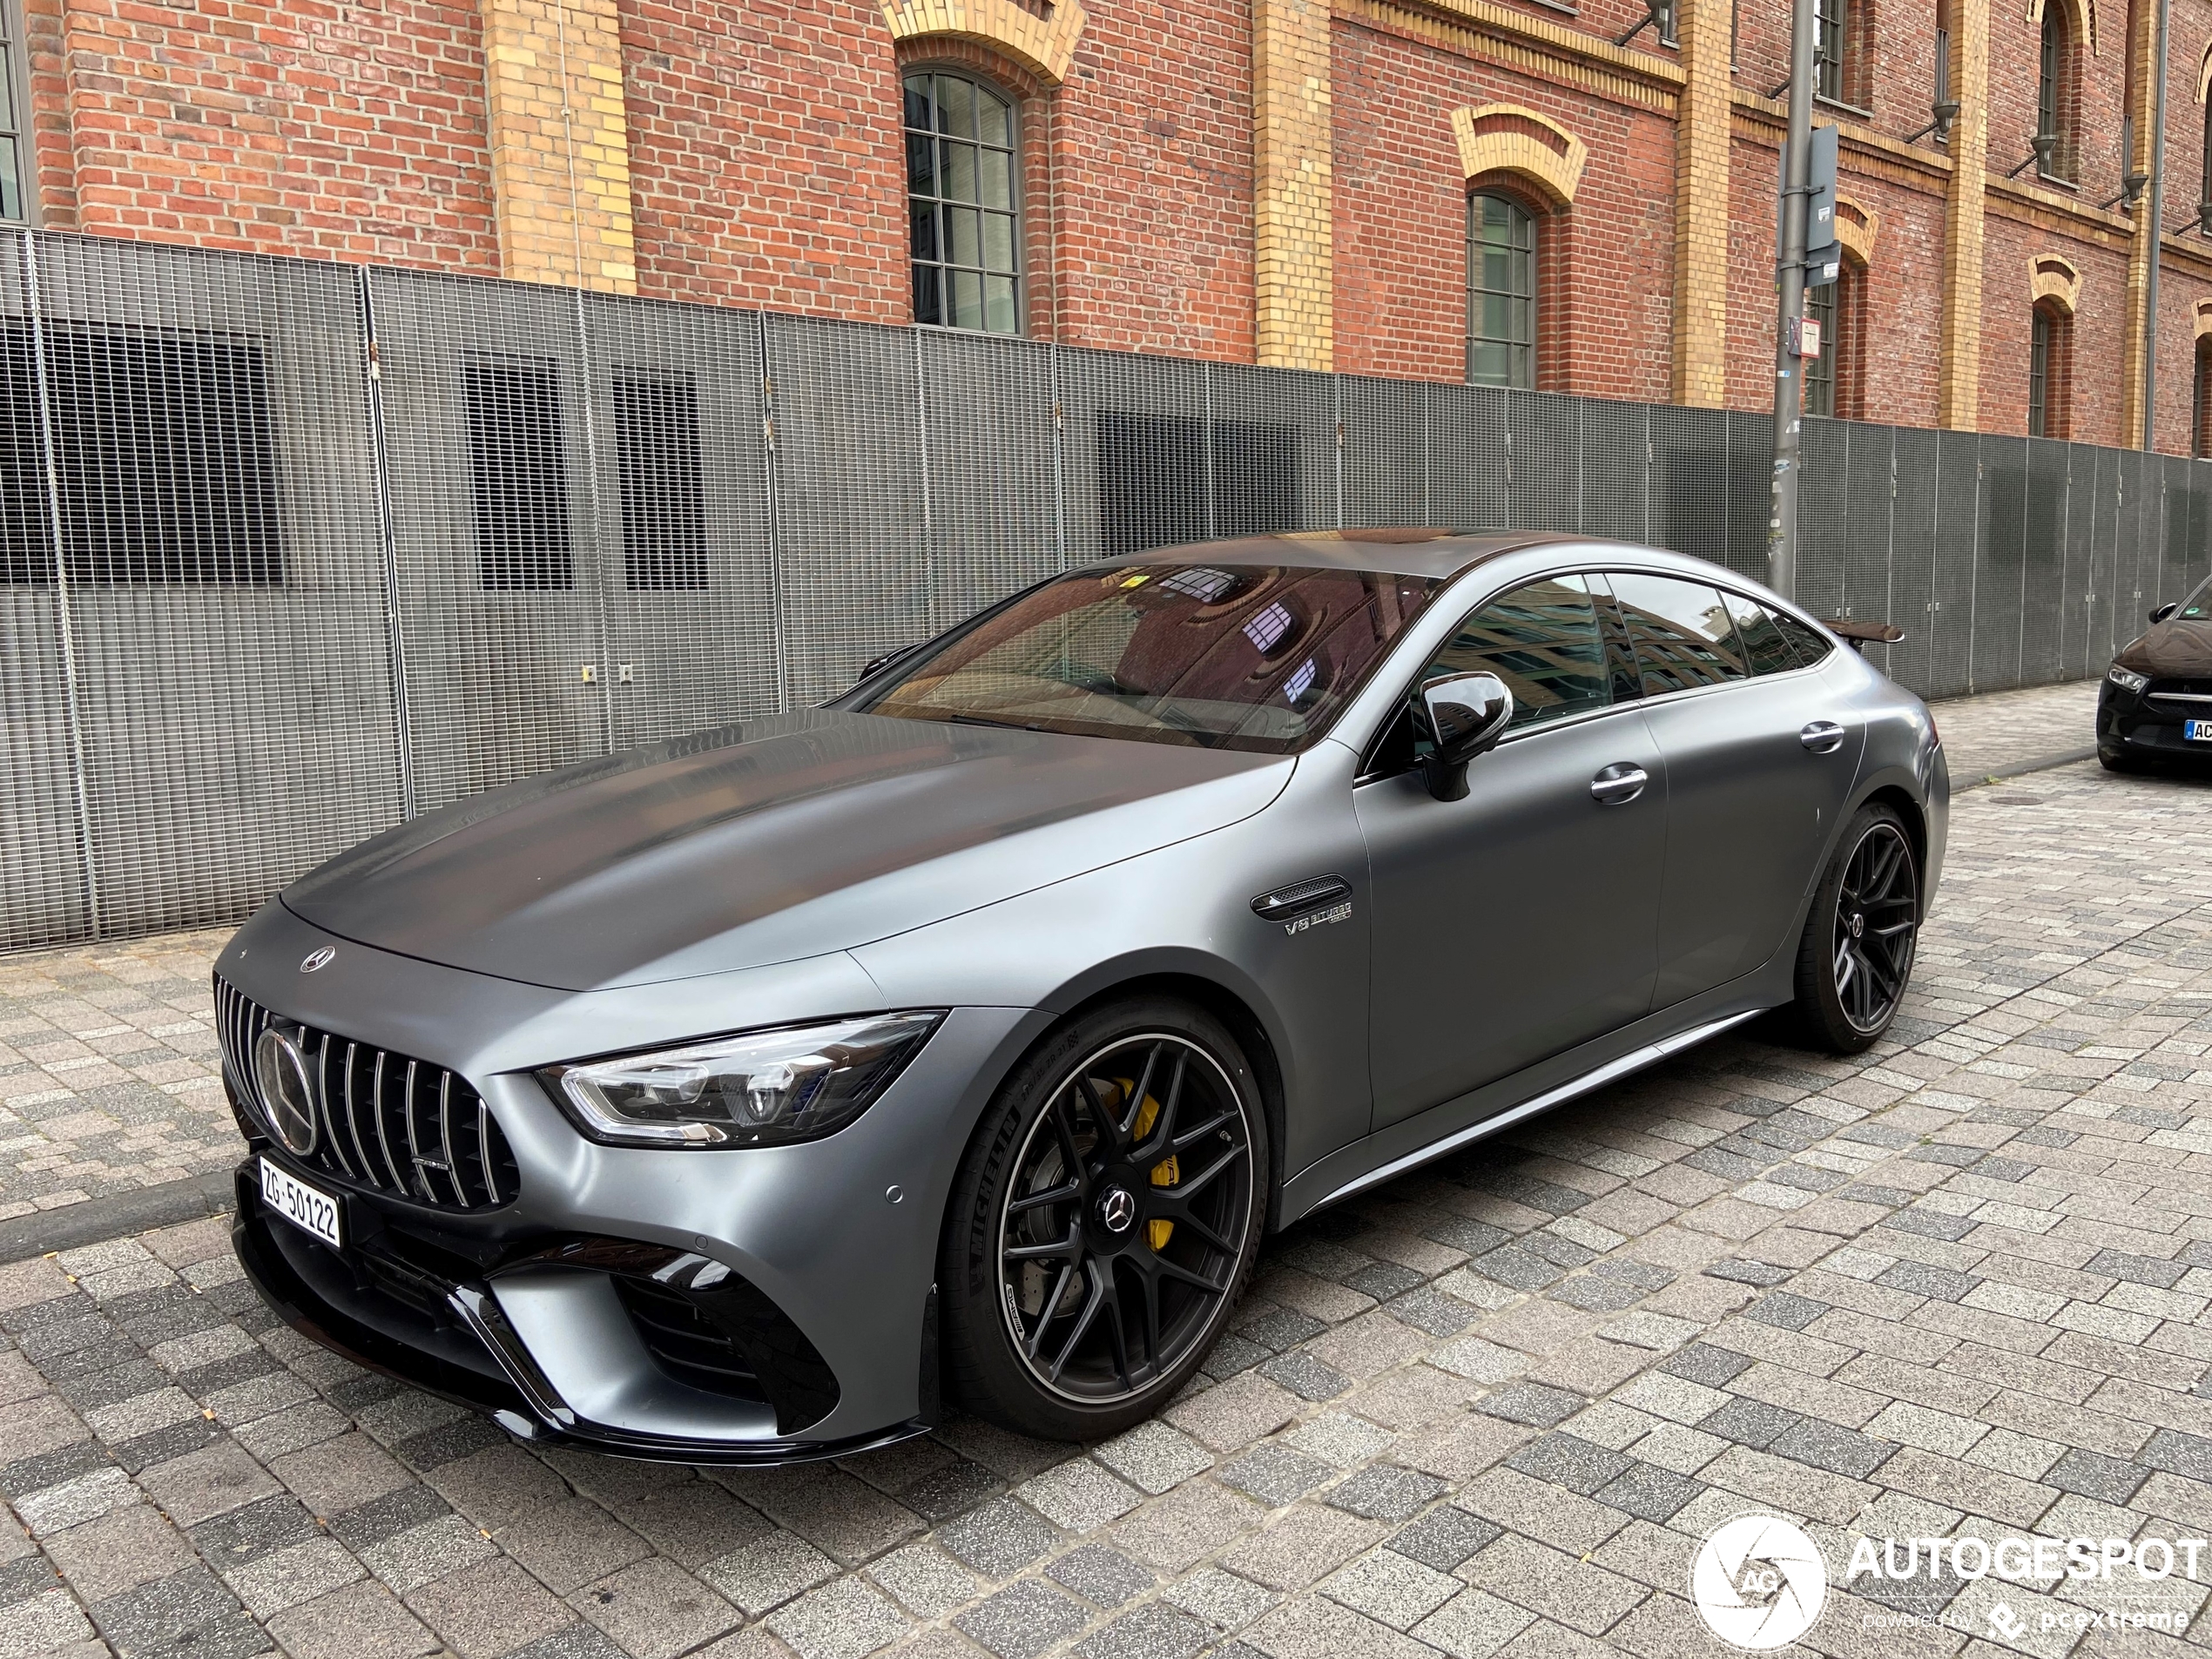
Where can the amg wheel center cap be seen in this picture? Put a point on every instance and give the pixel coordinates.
(1857, 924)
(1117, 1210)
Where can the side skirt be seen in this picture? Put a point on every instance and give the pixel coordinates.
(1379, 1158)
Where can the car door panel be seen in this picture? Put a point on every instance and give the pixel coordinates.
(1520, 921)
(1757, 768)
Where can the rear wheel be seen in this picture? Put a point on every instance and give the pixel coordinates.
(1856, 953)
(1103, 1221)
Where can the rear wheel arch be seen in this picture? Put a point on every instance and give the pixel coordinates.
(1901, 802)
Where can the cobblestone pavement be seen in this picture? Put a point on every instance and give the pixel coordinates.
(1956, 1287)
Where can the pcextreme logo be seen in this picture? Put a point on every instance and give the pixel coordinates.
(1758, 1581)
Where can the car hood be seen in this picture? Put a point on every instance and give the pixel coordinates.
(765, 841)
(2171, 650)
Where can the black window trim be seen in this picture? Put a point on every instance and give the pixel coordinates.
(1608, 620)
(1749, 678)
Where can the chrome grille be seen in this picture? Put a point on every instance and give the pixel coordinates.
(385, 1121)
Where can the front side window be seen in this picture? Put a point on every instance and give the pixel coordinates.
(1543, 641)
(14, 119)
(1684, 634)
(1257, 657)
(1501, 293)
(963, 207)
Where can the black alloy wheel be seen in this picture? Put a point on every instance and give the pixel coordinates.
(1856, 954)
(1113, 1209)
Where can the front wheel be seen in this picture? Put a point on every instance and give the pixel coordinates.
(1856, 952)
(1105, 1217)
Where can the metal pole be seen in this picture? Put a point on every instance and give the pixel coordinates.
(1790, 270)
(2157, 227)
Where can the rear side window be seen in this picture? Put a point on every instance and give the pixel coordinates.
(1543, 641)
(1684, 634)
(1765, 646)
(1810, 644)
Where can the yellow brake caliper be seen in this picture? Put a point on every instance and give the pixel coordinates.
(1165, 1173)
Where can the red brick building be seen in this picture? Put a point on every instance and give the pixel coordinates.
(1423, 188)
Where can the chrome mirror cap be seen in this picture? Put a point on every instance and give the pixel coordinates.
(1466, 715)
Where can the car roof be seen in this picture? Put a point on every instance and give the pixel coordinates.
(1409, 550)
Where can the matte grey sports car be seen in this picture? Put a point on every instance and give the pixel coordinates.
(736, 1097)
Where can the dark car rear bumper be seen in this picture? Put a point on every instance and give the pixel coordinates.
(448, 1336)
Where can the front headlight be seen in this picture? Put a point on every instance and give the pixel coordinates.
(756, 1088)
(2126, 678)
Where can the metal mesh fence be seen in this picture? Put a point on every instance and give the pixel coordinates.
(289, 550)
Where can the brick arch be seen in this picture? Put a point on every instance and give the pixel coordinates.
(2056, 279)
(2204, 73)
(1857, 228)
(1042, 46)
(2082, 14)
(1510, 139)
(2203, 319)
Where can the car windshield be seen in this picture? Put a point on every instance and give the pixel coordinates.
(2198, 606)
(1235, 656)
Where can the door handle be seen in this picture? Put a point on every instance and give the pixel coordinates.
(1822, 737)
(1618, 784)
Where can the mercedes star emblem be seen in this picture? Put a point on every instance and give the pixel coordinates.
(1117, 1209)
(287, 1098)
(315, 959)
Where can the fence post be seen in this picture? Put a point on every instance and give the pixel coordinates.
(772, 490)
(387, 541)
(1059, 460)
(34, 303)
(602, 566)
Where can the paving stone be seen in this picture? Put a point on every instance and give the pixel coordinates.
(843, 1620)
(998, 1540)
(1154, 1631)
(1305, 1375)
(1106, 1577)
(1275, 1474)
(1077, 1495)
(1657, 1494)
(1394, 1589)
(1534, 1404)
(1223, 1600)
(1444, 1537)
(1154, 1457)
(1701, 1362)
(1568, 1460)
(2095, 1475)
(363, 1621)
(1827, 1445)
(1021, 1620)
(1383, 1492)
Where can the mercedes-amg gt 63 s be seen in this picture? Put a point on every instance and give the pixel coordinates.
(2155, 708)
(746, 1097)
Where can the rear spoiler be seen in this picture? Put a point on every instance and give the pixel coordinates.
(1859, 635)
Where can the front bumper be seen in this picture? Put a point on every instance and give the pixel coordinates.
(2130, 725)
(752, 1306)
(381, 1308)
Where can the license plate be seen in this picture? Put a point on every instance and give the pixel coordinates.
(2197, 731)
(299, 1203)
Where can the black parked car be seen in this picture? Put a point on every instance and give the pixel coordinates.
(2156, 701)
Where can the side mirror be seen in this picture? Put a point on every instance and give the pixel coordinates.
(877, 664)
(2163, 612)
(1466, 714)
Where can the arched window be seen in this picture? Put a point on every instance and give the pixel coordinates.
(2201, 402)
(2054, 95)
(963, 203)
(1823, 306)
(2050, 371)
(2204, 184)
(1501, 291)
